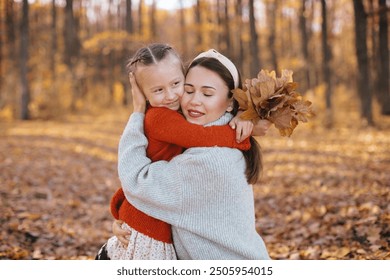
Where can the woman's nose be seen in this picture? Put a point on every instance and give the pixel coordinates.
(195, 100)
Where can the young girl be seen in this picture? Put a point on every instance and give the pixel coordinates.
(204, 193)
(159, 74)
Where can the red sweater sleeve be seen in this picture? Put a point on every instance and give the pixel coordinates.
(170, 126)
(116, 202)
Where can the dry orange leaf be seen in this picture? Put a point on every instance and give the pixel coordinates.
(275, 99)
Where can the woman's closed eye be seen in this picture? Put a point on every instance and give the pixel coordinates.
(189, 89)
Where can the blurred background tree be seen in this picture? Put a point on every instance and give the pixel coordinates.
(63, 56)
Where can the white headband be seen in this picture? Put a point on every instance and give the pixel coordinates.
(225, 62)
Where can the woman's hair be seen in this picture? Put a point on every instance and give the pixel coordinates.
(151, 54)
(253, 156)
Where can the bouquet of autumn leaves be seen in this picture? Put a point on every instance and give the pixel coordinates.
(275, 99)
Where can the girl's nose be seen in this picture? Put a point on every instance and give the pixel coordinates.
(170, 95)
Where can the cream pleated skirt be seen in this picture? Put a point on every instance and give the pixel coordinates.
(140, 247)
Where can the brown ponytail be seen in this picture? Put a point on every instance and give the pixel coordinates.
(254, 162)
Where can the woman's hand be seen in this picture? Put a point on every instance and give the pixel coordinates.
(139, 100)
(261, 128)
(121, 234)
(243, 128)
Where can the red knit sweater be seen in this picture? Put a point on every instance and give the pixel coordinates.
(168, 134)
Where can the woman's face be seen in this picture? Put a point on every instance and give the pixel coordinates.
(162, 83)
(205, 97)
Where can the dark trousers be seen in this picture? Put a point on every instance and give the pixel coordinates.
(102, 254)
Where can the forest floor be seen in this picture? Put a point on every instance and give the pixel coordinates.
(324, 194)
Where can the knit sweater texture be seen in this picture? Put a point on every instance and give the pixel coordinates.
(168, 133)
(203, 193)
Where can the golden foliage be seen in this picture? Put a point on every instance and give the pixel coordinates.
(109, 41)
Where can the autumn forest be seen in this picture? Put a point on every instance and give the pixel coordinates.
(65, 99)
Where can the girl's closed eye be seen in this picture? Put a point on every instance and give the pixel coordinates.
(158, 90)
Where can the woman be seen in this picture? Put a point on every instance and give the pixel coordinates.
(203, 193)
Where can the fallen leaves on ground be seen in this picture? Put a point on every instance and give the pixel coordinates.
(324, 194)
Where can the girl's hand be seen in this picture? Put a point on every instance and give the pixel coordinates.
(139, 101)
(121, 234)
(261, 128)
(243, 128)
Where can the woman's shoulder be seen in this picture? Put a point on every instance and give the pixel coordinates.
(212, 162)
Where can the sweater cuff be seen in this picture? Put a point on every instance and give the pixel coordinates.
(244, 145)
(137, 116)
(116, 202)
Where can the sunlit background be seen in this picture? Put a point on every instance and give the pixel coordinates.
(65, 99)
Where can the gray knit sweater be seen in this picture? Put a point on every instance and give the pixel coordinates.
(202, 193)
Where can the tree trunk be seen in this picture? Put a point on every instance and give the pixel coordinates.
(384, 73)
(72, 49)
(363, 80)
(24, 40)
(240, 57)
(153, 24)
(10, 26)
(1, 60)
(183, 32)
(140, 17)
(374, 56)
(53, 38)
(110, 16)
(304, 45)
(254, 47)
(271, 17)
(198, 28)
(129, 17)
(1, 52)
(227, 30)
(326, 56)
(121, 20)
(72, 42)
(219, 32)
(315, 71)
(125, 82)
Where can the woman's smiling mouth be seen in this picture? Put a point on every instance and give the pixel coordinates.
(195, 114)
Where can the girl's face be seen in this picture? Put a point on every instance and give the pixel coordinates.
(162, 83)
(205, 97)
